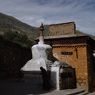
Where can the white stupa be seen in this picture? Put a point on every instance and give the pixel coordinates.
(41, 57)
(40, 54)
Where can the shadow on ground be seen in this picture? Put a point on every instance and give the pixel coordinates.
(20, 87)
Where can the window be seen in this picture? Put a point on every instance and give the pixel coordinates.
(66, 53)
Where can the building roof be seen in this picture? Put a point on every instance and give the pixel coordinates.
(63, 30)
(66, 23)
(77, 34)
(60, 36)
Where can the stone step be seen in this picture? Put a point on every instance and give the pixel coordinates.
(83, 93)
(93, 93)
(76, 91)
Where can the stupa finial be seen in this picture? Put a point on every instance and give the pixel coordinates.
(41, 37)
(41, 29)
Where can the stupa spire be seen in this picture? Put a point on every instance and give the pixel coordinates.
(41, 36)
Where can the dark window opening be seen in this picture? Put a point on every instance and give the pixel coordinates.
(66, 53)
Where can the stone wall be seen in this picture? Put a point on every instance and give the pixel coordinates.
(91, 68)
(12, 58)
(76, 57)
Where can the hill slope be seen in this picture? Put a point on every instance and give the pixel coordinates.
(16, 31)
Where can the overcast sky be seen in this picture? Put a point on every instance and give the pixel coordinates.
(33, 12)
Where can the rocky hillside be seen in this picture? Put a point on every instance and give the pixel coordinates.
(17, 31)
